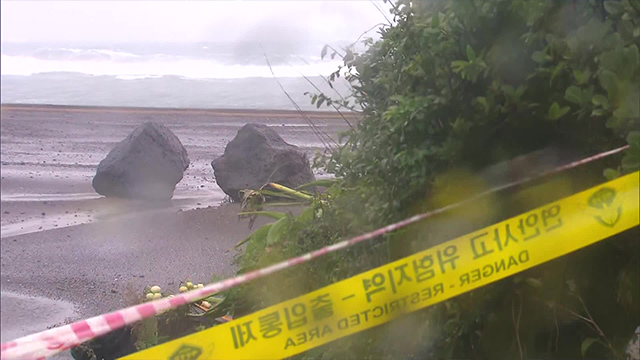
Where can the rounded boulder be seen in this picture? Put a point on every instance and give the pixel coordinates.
(147, 165)
(256, 156)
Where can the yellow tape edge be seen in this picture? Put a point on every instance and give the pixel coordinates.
(582, 226)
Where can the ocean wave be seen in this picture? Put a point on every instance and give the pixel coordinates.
(77, 54)
(158, 66)
(137, 77)
(166, 91)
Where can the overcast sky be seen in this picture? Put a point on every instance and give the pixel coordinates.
(188, 21)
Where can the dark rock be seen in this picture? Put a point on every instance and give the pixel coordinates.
(256, 156)
(147, 164)
(113, 345)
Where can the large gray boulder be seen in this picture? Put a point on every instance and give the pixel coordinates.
(256, 156)
(147, 164)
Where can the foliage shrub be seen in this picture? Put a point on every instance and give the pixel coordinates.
(450, 88)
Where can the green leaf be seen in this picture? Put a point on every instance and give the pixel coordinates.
(631, 162)
(258, 236)
(555, 112)
(610, 174)
(626, 28)
(632, 58)
(573, 94)
(483, 101)
(435, 20)
(586, 344)
(558, 69)
(608, 79)
(614, 7)
(291, 192)
(321, 182)
(306, 215)
(634, 140)
(458, 65)
(563, 111)
(277, 231)
(628, 106)
(539, 57)
(600, 100)
(277, 194)
(582, 76)
(471, 55)
(270, 214)
(286, 203)
(597, 112)
(508, 90)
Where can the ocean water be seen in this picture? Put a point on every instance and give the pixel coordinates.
(201, 75)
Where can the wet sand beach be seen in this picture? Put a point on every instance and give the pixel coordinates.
(64, 243)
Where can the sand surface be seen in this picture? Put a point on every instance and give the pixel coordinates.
(69, 248)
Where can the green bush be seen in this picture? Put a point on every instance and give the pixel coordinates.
(476, 82)
(452, 87)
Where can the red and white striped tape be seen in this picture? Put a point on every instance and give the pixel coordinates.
(50, 342)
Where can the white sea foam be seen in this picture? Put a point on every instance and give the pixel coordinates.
(75, 51)
(158, 66)
(116, 54)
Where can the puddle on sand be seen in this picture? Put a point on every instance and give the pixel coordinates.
(24, 315)
(48, 223)
(49, 197)
(55, 211)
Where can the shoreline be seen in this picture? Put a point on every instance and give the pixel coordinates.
(178, 111)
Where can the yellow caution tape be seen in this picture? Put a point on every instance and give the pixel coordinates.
(417, 281)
